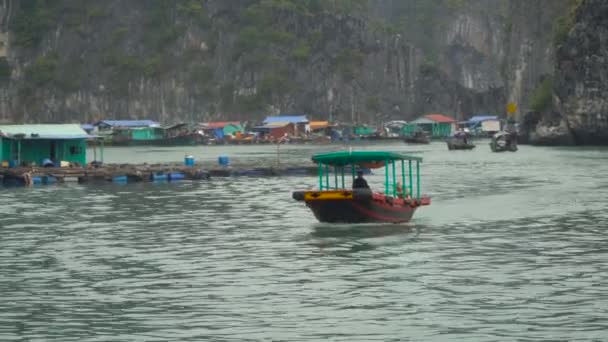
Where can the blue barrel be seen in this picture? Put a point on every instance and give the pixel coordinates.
(175, 176)
(12, 163)
(223, 160)
(119, 179)
(49, 180)
(158, 177)
(37, 180)
(189, 160)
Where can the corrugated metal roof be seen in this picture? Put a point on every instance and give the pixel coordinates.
(440, 118)
(276, 124)
(220, 124)
(422, 120)
(273, 125)
(178, 125)
(481, 118)
(286, 118)
(128, 123)
(45, 131)
(318, 124)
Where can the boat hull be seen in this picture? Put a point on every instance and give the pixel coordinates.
(358, 206)
(359, 212)
(412, 140)
(460, 146)
(495, 147)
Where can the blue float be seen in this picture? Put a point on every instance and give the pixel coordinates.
(176, 176)
(158, 177)
(120, 179)
(223, 160)
(49, 180)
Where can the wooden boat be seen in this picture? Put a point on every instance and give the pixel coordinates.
(336, 204)
(418, 137)
(503, 141)
(459, 143)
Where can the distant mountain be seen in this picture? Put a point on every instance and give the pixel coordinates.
(348, 60)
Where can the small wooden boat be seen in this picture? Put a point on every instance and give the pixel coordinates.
(504, 141)
(458, 143)
(336, 204)
(418, 137)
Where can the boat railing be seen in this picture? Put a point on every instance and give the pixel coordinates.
(396, 172)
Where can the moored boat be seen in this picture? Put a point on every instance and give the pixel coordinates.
(336, 204)
(418, 137)
(460, 141)
(504, 141)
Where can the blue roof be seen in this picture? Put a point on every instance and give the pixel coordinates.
(128, 123)
(481, 118)
(286, 118)
(87, 126)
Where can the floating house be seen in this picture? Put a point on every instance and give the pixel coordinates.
(318, 126)
(89, 128)
(177, 129)
(436, 125)
(276, 130)
(363, 130)
(482, 124)
(220, 129)
(300, 123)
(107, 126)
(137, 133)
(35, 144)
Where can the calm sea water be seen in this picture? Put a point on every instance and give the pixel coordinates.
(513, 247)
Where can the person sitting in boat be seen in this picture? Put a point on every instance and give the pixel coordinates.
(360, 182)
(400, 192)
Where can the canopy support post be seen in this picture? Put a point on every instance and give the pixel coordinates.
(327, 177)
(101, 151)
(94, 150)
(418, 180)
(394, 180)
(386, 177)
(342, 169)
(403, 185)
(411, 178)
(335, 177)
(18, 152)
(320, 176)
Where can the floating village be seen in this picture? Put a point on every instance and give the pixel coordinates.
(51, 153)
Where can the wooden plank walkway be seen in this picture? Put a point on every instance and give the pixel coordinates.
(148, 172)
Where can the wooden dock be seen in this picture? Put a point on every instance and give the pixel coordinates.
(133, 173)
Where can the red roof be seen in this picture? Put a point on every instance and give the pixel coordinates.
(440, 118)
(221, 124)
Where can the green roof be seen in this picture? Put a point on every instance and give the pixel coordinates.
(355, 157)
(421, 121)
(45, 131)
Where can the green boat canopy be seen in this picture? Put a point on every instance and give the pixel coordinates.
(342, 158)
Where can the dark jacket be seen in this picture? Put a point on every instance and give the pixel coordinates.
(360, 183)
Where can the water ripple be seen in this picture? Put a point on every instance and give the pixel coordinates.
(515, 250)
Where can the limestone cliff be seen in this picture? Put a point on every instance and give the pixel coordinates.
(194, 60)
(581, 88)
